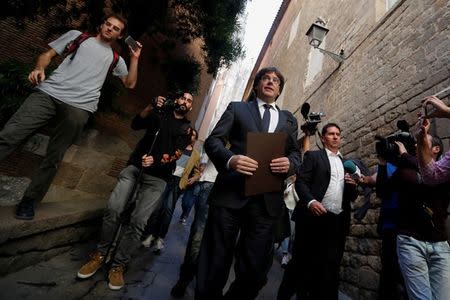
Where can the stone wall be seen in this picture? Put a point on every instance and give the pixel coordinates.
(393, 61)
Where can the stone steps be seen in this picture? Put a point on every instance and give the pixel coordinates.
(57, 225)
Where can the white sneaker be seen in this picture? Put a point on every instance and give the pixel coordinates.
(149, 241)
(159, 245)
(285, 259)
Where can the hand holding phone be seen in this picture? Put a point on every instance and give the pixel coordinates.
(132, 43)
(433, 107)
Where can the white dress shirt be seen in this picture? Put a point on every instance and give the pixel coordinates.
(273, 113)
(332, 200)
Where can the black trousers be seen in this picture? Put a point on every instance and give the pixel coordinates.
(313, 272)
(390, 276)
(246, 233)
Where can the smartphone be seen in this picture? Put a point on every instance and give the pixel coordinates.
(132, 43)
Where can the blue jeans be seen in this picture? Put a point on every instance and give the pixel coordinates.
(200, 194)
(159, 222)
(187, 202)
(147, 198)
(425, 267)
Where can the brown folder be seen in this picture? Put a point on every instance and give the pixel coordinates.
(263, 147)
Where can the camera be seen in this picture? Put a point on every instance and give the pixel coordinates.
(312, 119)
(168, 106)
(388, 149)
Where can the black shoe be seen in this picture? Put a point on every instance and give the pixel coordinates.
(179, 289)
(25, 210)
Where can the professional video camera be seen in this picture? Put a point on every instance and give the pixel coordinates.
(388, 149)
(312, 119)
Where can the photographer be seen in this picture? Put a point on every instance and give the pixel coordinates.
(182, 181)
(432, 172)
(422, 248)
(168, 130)
(391, 284)
(69, 96)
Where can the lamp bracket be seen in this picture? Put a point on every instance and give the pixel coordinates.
(339, 58)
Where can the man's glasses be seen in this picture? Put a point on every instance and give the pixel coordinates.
(275, 80)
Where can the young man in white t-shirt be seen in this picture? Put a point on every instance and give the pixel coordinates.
(68, 96)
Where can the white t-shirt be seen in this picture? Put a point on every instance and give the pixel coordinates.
(78, 82)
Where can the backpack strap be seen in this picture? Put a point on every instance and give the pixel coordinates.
(116, 57)
(73, 46)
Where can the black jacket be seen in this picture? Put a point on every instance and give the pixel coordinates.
(239, 119)
(173, 136)
(312, 182)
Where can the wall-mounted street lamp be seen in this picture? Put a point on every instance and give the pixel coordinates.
(316, 33)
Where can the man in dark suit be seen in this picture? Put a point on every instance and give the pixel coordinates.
(237, 224)
(322, 219)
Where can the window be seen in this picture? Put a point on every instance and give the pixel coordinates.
(390, 3)
(315, 63)
(294, 28)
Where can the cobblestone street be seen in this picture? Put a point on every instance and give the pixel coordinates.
(149, 276)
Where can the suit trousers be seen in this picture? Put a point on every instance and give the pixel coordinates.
(248, 233)
(313, 272)
(37, 110)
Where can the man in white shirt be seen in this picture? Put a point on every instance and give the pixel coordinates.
(322, 220)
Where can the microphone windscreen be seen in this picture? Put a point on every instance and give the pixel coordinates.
(305, 109)
(350, 167)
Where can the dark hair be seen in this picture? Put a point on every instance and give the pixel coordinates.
(120, 18)
(328, 125)
(178, 94)
(436, 141)
(263, 72)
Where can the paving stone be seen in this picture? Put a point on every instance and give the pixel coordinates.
(148, 276)
(12, 189)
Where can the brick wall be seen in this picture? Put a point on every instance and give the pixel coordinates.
(393, 62)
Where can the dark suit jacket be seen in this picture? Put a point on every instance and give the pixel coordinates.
(239, 119)
(312, 183)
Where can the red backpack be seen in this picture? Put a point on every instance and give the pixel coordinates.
(73, 46)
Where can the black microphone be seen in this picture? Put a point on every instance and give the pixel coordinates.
(305, 110)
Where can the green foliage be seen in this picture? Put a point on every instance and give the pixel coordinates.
(14, 88)
(214, 21)
(183, 74)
